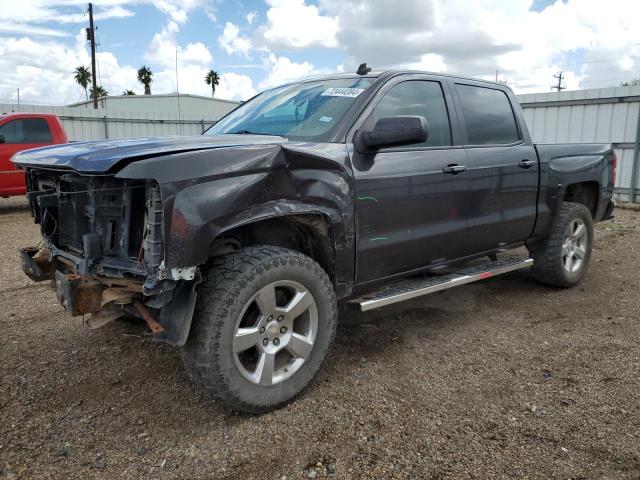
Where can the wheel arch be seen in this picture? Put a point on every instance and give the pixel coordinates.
(309, 232)
(585, 193)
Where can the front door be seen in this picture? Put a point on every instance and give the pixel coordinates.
(408, 210)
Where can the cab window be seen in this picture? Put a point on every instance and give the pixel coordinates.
(26, 130)
(488, 116)
(417, 97)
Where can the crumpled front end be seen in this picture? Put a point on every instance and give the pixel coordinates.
(103, 249)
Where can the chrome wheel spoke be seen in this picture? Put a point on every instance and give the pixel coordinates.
(579, 253)
(579, 231)
(299, 304)
(299, 346)
(265, 369)
(266, 299)
(568, 262)
(245, 338)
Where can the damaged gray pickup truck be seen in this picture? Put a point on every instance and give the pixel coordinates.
(365, 189)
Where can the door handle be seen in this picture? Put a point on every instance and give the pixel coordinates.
(454, 169)
(527, 163)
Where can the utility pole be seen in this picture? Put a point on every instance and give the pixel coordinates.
(558, 87)
(18, 96)
(92, 39)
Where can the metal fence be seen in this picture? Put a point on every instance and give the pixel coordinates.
(87, 124)
(607, 115)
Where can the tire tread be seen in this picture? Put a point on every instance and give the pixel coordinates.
(223, 280)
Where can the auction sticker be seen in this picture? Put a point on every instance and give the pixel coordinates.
(342, 92)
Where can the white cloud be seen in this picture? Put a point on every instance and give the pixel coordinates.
(232, 42)
(282, 70)
(235, 87)
(25, 61)
(251, 17)
(292, 24)
(44, 70)
(430, 62)
(71, 11)
(595, 43)
(26, 29)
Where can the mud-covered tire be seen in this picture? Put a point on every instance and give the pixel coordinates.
(550, 257)
(229, 284)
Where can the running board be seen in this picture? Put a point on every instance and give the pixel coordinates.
(416, 287)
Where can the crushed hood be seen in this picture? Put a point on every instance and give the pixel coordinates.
(103, 156)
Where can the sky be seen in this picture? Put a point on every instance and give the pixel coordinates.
(258, 44)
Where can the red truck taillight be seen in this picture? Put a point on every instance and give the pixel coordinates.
(615, 168)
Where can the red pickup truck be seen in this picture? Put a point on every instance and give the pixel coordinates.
(22, 131)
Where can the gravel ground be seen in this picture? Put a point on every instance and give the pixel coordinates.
(500, 379)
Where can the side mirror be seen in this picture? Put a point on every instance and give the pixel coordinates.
(393, 132)
(2, 140)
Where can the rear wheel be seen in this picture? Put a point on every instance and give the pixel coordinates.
(263, 325)
(563, 258)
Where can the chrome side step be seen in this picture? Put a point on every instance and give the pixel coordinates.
(424, 285)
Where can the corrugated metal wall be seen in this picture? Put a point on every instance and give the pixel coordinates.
(191, 107)
(606, 115)
(88, 124)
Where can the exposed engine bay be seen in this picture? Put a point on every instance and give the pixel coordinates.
(103, 248)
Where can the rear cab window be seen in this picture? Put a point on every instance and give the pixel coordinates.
(26, 130)
(488, 116)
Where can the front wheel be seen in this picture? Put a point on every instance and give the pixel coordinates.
(562, 259)
(263, 325)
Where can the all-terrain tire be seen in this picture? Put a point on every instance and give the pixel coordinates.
(229, 284)
(549, 265)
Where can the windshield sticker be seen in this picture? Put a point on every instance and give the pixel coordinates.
(342, 92)
(325, 119)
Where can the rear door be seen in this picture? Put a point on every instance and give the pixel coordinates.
(502, 168)
(19, 134)
(407, 207)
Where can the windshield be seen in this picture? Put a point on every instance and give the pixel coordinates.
(303, 111)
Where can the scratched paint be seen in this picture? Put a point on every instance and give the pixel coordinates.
(376, 239)
(373, 199)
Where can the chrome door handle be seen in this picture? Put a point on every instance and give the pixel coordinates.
(454, 169)
(527, 163)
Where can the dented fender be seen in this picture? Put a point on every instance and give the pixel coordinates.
(208, 192)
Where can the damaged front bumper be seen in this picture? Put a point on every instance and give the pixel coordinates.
(106, 299)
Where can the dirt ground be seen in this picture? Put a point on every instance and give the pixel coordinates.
(501, 379)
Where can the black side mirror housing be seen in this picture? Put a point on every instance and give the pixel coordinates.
(2, 139)
(393, 132)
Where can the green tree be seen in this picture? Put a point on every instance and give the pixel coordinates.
(82, 76)
(128, 92)
(145, 77)
(635, 81)
(212, 78)
(100, 91)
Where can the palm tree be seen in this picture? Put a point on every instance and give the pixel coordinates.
(128, 92)
(144, 77)
(212, 79)
(100, 91)
(83, 77)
